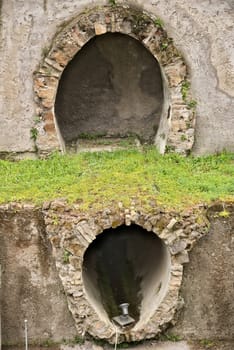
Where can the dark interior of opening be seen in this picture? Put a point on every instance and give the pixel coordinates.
(111, 88)
(124, 265)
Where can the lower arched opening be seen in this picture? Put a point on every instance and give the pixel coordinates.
(126, 265)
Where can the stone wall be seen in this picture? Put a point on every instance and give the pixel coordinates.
(202, 31)
(36, 274)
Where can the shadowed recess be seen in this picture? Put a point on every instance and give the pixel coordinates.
(126, 265)
(112, 88)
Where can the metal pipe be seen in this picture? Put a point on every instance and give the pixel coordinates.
(124, 319)
(124, 308)
(26, 333)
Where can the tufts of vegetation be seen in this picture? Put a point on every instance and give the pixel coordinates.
(191, 104)
(78, 340)
(37, 120)
(158, 23)
(164, 45)
(96, 179)
(224, 213)
(183, 137)
(170, 337)
(66, 255)
(185, 89)
(72, 342)
(33, 134)
(112, 2)
(207, 343)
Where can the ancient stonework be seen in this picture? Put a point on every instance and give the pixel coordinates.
(71, 231)
(176, 129)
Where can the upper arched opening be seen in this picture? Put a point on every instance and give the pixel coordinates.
(112, 88)
(113, 72)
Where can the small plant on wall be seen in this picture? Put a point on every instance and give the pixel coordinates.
(158, 22)
(34, 133)
(66, 255)
(33, 136)
(185, 89)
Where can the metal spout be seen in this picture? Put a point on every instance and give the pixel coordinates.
(124, 308)
(124, 319)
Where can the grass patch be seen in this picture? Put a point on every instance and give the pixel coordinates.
(207, 343)
(170, 337)
(95, 179)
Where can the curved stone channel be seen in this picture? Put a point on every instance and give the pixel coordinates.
(126, 265)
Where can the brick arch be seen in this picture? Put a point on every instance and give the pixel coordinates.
(70, 242)
(176, 129)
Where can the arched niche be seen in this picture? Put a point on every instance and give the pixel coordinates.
(112, 88)
(174, 130)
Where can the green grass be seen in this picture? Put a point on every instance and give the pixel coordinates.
(207, 343)
(96, 179)
(170, 337)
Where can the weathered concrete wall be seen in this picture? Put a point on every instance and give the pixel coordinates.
(202, 30)
(30, 285)
(208, 282)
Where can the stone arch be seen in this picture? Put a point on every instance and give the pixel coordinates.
(176, 128)
(71, 240)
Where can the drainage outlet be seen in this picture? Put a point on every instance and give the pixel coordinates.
(126, 265)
